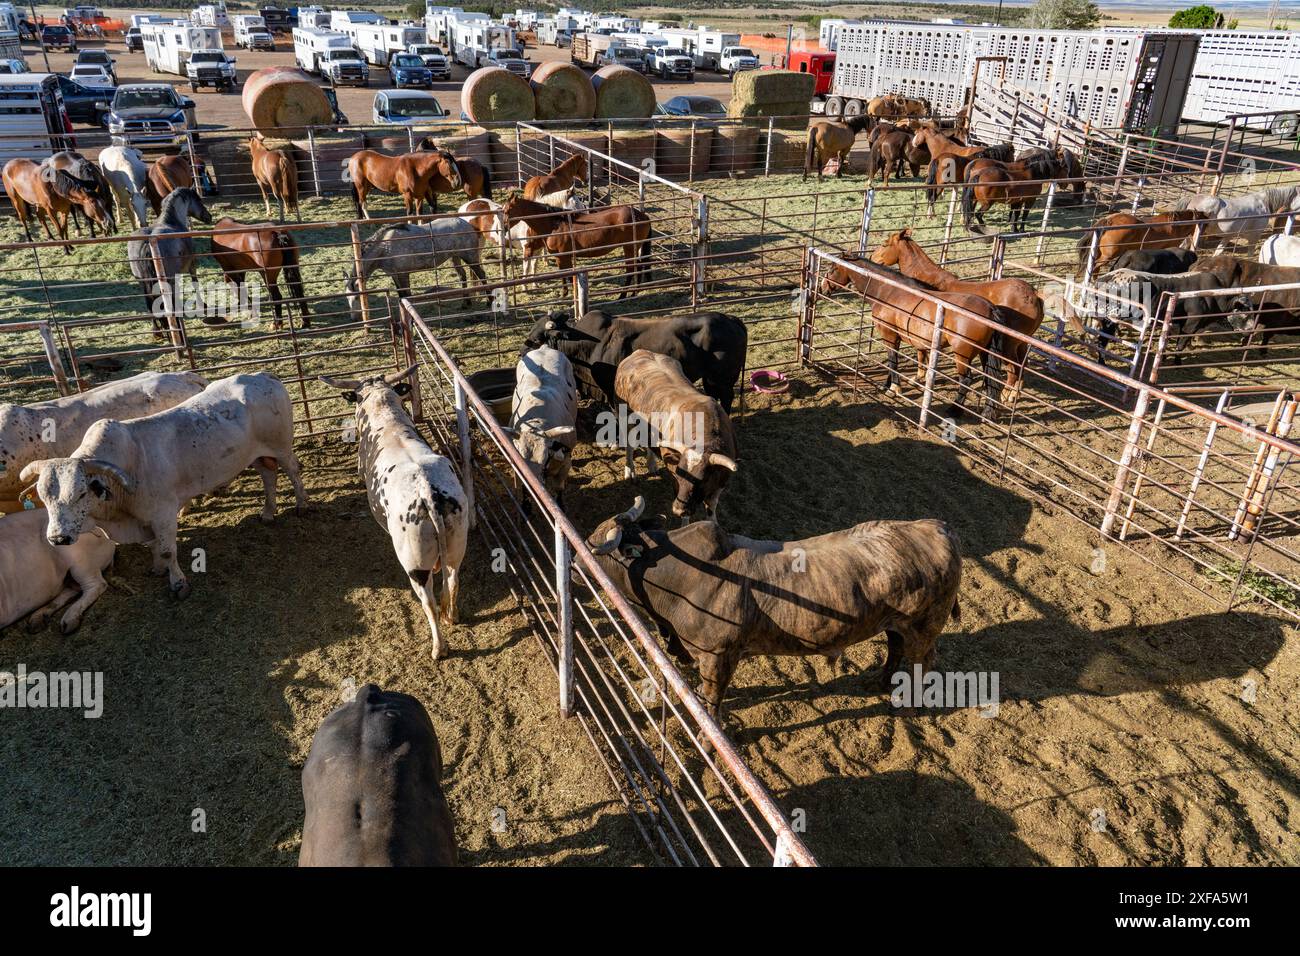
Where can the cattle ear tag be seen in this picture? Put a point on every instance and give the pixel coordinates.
(28, 498)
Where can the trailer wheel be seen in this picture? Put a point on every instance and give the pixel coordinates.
(854, 107)
(1286, 125)
(834, 107)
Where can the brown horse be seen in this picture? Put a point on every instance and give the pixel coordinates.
(169, 173)
(92, 179)
(1018, 184)
(902, 314)
(51, 194)
(262, 248)
(1022, 305)
(569, 235)
(274, 169)
(890, 149)
(827, 138)
(1121, 231)
(897, 106)
(949, 158)
(476, 179)
(418, 177)
(573, 169)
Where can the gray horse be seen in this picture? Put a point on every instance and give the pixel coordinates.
(417, 247)
(1242, 217)
(156, 269)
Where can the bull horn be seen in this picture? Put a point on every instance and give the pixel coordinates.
(721, 460)
(124, 481)
(394, 377)
(347, 384)
(636, 511)
(32, 470)
(611, 541)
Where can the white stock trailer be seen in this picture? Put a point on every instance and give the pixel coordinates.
(314, 18)
(379, 41)
(330, 54)
(167, 46)
(476, 38)
(210, 15)
(1135, 79)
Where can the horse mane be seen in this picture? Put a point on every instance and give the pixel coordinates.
(1043, 165)
(1002, 152)
(173, 197)
(857, 123)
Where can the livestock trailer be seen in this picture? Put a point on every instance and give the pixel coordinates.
(379, 41)
(1239, 71)
(33, 117)
(167, 46)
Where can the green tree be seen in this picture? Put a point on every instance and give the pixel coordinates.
(1063, 15)
(1202, 17)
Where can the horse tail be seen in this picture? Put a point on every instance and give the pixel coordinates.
(931, 184)
(810, 153)
(292, 273)
(968, 207)
(487, 181)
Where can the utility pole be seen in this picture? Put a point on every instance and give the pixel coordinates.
(1272, 12)
(40, 39)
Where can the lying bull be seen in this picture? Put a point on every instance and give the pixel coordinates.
(1267, 313)
(34, 574)
(544, 416)
(372, 789)
(709, 346)
(132, 478)
(53, 429)
(719, 598)
(690, 431)
(413, 492)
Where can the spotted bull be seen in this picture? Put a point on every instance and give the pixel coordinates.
(690, 431)
(39, 579)
(413, 492)
(132, 478)
(720, 598)
(372, 787)
(544, 416)
(53, 429)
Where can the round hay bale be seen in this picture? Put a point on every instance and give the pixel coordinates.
(286, 101)
(563, 91)
(622, 93)
(634, 146)
(493, 93)
(735, 148)
(674, 157)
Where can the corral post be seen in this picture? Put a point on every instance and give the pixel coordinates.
(947, 229)
(311, 153)
(701, 246)
(466, 452)
(519, 155)
(194, 164)
(690, 162)
(550, 137)
(1137, 194)
(767, 158)
(412, 356)
(581, 292)
(1047, 213)
(410, 139)
(1092, 257)
(931, 366)
(564, 597)
(52, 354)
(996, 258)
(1123, 161)
(1125, 462)
(1199, 471)
(807, 305)
(868, 204)
(361, 281)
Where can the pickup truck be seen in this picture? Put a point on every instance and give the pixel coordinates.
(149, 114)
(672, 63)
(211, 68)
(736, 59)
(433, 58)
(626, 56)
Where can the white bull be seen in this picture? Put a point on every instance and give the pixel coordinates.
(544, 416)
(34, 573)
(413, 492)
(53, 429)
(132, 478)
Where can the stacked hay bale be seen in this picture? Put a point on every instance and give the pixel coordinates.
(735, 149)
(683, 152)
(634, 146)
(622, 93)
(285, 101)
(760, 94)
(562, 91)
(494, 94)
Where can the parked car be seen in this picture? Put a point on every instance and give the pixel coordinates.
(408, 70)
(563, 39)
(92, 75)
(433, 58)
(85, 104)
(97, 58)
(134, 40)
(405, 107)
(692, 106)
(10, 66)
(510, 60)
(55, 37)
(149, 114)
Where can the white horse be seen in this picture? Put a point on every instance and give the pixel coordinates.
(1230, 214)
(127, 173)
(519, 234)
(1280, 251)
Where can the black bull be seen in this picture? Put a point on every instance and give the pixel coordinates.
(709, 345)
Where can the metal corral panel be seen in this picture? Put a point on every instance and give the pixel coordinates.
(1241, 72)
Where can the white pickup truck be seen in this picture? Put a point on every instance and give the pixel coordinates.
(433, 58)
(736, 59)
(671, 63)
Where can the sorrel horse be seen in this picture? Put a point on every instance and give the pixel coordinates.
(90, 178)
(1121, 231)
(902, 312)
(476, 178)
(275, 170)
(418, 177)
(170, 173)
(573, 169)
(569, 235)
(51, 194)
(827, 138)
(1018, 184)
(241, 248)
(949, 158)
(1022, 305)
